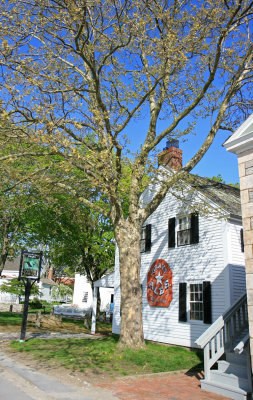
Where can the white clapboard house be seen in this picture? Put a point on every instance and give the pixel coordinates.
(192, 270)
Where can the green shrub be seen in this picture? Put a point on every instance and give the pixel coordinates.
(35, 303)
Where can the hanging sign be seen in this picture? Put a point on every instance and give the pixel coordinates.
(30, 265)
(159, 285)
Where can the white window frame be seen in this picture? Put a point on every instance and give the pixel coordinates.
(183, 224)
(189, 301)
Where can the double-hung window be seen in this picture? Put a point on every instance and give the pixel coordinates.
(183, 230)
(196, 301)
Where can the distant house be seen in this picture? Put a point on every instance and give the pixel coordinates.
(46, 285)
(11, 270)
(83, 297)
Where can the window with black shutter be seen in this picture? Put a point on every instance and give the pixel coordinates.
(172, 232)
(145, 244)
(200, 302)
(182, 302)
(188, 230)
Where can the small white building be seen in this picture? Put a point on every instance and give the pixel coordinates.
(11, 268)
(83, 297)
(192, 261)
(45, 287)
(10, 271)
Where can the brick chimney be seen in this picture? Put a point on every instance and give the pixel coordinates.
(171, 155)
(50, 274)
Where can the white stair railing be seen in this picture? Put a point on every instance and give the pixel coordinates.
(223, 333)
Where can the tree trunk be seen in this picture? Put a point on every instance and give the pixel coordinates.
(128, 240)
(4, 253)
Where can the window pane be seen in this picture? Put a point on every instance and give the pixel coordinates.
(196, 302)
(183, 237)
(184, 223)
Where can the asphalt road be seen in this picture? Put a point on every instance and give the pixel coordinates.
(19, 382)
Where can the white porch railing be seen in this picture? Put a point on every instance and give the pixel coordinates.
(221, 335)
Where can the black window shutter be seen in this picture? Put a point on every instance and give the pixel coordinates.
(194, 228)
(171, 235)
(182, 302)
(148, 238)
(242, 241)
(207, 302)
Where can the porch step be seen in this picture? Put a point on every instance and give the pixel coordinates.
(234, 358)
(224, 390)
(236, 369)
(229, 380)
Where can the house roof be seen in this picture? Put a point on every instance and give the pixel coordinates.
(65, 281)
(12, 265)
(48, 281)
(106, 281)
(225, 196)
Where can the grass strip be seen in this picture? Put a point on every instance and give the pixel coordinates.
(104, 355)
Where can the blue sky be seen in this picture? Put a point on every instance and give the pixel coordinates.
(216, 161)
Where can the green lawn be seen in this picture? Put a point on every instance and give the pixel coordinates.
(12, 322)
(103, 355)
(7, 318)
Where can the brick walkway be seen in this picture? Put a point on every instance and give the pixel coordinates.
(168, 386)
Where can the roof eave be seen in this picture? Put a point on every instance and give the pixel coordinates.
(239, 144)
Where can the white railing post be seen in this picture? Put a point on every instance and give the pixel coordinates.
(221, 334)
(207, 361)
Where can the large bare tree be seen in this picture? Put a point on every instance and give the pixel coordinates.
(79, 75)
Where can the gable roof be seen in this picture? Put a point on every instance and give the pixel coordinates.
(225, 196)
(12, 265)
(106, 281)
(48, 281)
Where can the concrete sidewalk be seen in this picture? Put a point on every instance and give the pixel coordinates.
(18, 382)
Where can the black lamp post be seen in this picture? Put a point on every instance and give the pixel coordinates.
(29, 273)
